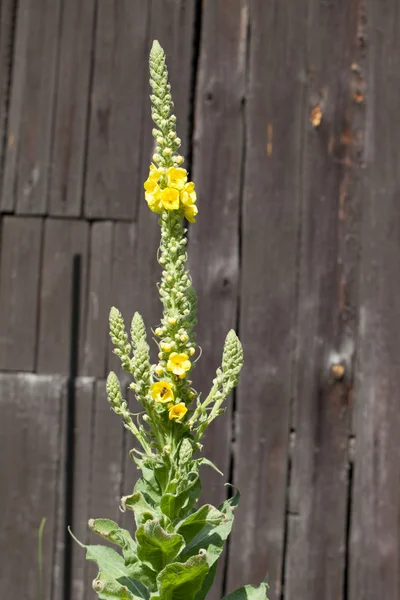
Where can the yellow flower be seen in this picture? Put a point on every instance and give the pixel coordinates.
(178, 364)
(155, 173)
(176, 177)
(188, 194)
(162, 391)
(177, 411)
(190, 213)
(170, 198)
(153, 195)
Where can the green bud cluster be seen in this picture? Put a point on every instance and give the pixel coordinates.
(140, 362)
(119, 338)
(167, 142)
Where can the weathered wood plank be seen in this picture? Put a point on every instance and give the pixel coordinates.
(268, 289)
(71, 111)
(325, 334)
(19, 291)
(214, 239)
(33, 424)
(83, 453)
(120, 75)
(96, 335)
(26, 174)
(7, 9)
(63, 240)
(374, 549)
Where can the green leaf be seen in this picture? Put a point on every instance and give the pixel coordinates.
(172, 504)
(212, 538)
(206, 515)
(142, 509)
(156, 546)
(207, 582)
(149, 486)
(112, 568)
(249, 592)
(111, 531)
(109, 589)
(182, 581)
(209, 463)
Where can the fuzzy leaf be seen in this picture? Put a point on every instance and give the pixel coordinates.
(212, 538)
(182, 581)
(111, 531)
(112, 567)
(172, 504)
(149, 486)
(138, 504)
(207, 582)
(249, 592)
(156, 546)
(209, 463)
(206, 515)
(108, 588)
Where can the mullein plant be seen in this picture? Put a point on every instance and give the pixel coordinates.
(174, 552)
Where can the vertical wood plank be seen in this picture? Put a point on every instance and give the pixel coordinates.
(19, 290)
(33, 422)
(83, 454)
(7, 10)
(268, 290)
(214, 239)
(71, 111)
(374, 549)
(63, 239)
(97, 340)
(326, 316)
(31, 109)
(120, 74)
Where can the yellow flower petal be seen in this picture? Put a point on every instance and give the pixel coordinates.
(155, 173)
(178, 364)
(176, 177)
(190, 213)
(177, 411)
(188, 194)
(162, 391)
(170, 198)
(153, 195)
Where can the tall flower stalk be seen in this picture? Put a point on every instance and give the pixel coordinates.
(174, 552)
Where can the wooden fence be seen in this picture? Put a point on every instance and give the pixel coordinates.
(289, 114)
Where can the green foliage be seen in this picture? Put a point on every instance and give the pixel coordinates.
(174, 552)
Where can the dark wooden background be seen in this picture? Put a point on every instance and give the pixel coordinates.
(289, 114)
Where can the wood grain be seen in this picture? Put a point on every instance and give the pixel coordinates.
(116, 111)
(7, 31)
(33, 422)
(83, 456)
(269, 230)
(63, 239)
(27, 158)
(214, 240)
(71, 108)
(374, 549)
(97, 341)
(19, 292)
